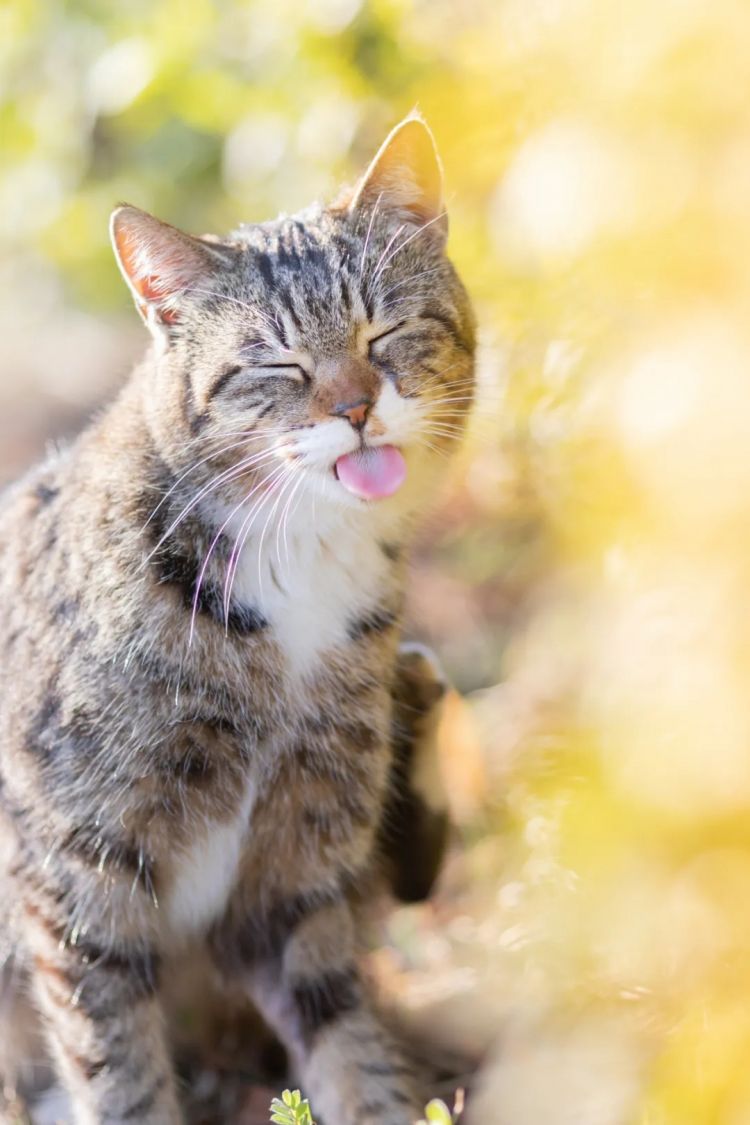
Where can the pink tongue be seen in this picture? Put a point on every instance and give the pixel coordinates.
(372, 473)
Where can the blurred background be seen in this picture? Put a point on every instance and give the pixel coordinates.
(585, 575)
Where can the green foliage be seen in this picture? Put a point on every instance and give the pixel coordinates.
(291, 1109)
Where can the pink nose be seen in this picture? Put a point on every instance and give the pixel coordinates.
(356, 412)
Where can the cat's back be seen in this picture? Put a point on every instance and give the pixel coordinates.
(27, 503)
(32, 552)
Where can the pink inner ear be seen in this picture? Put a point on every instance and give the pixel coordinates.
(128, 253)
(151, 288)
(153, 285)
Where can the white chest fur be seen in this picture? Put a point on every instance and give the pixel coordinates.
(312, 583)
(206, 871)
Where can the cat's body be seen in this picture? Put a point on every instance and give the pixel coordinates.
(200, 649)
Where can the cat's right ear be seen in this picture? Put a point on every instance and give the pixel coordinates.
(406, 177)
(161, 264)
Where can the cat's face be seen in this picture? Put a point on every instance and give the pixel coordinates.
(334, 347)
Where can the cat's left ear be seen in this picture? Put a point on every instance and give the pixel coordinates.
(161, 264)
(406, 177)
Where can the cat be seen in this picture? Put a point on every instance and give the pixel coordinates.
(211, 735)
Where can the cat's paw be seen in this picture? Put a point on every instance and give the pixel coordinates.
(420, 681)
(414, 830)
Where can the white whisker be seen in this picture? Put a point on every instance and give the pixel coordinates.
(284, 521)
(229, 474)
(367, 236)
(193, 467)
(380, 268)
(409, 280)
(204, 567)
(285, 482)
(375, 273)
(243, 533)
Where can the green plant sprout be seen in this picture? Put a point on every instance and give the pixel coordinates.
(293, 1109)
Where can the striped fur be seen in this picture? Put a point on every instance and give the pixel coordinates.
(199, 747)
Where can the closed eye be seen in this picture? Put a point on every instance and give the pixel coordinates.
(290, 370)
(384, 335)
(285, 370)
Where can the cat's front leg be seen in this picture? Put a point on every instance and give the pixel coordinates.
(100, 1007)
(313, 995)
(414, 824)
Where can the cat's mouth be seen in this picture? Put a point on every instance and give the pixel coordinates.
(372, 473)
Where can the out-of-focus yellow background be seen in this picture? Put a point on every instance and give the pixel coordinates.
(586, 574)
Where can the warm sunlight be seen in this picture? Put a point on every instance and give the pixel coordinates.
(585, 573)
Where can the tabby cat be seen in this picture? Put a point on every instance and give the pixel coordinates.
(200, 647)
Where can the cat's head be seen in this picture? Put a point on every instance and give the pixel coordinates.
(337, 343)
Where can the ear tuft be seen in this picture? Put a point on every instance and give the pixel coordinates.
(159, 262)
(406, 175)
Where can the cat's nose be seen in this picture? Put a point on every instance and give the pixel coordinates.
(356, 412)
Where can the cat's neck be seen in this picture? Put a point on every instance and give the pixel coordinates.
(306, 569)
(313, 569)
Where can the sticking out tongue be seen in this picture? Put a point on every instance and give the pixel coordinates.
(372, 474)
